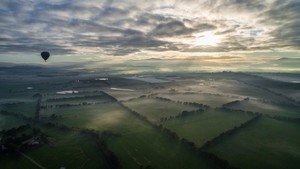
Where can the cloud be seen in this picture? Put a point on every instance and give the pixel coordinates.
(173, 28)
(285, 17)
(241, 5)
(123, 27)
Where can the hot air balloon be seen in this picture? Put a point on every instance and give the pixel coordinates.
(45, 55)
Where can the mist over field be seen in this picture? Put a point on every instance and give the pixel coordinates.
(135, 116)
(166, 84)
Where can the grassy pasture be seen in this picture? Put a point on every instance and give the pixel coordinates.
(108, 116)
(291, 93)
(138, 143)
(204, 127)
(187, 85)
(267, 108)
(27, 108)
(15, 161)
(241, 89)
(7, 122)
(65, 149)
(154, 109)
(70, 150)
(15, 92)
(127, 83)
(228, 87)
(267, 143)
(150, 147)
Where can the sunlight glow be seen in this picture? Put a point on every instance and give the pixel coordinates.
(207, 39)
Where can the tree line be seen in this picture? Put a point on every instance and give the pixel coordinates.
(200, 105)
(183, 114)
(76, 97)
(153, 96)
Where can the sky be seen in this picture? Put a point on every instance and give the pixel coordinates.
(130, 29)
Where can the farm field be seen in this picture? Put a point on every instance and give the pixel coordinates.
(7, 122)
(133, 137)
(26, 108)
(167, 84)
(241, 89)
(267, 143)
(137, 122)
(203, 127)
(107, 116)
(8, 162)
(155, 109)
(290, 93)
(64, 149)
(267, 108)
(149, 147)
(69, 150)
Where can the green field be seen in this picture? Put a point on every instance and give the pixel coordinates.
(154, 109)
(65, 149)
(15, 90)
(242, 89)
(266, 143)
(7, 122)
(16, 161)
(108, 116)
(26, 108)
(138, 143)
(204, 127)
(150, 147)
(267, 108)
(70, 150)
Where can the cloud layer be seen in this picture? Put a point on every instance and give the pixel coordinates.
(124, 27)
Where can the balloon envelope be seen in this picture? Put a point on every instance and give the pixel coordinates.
(45, 55)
